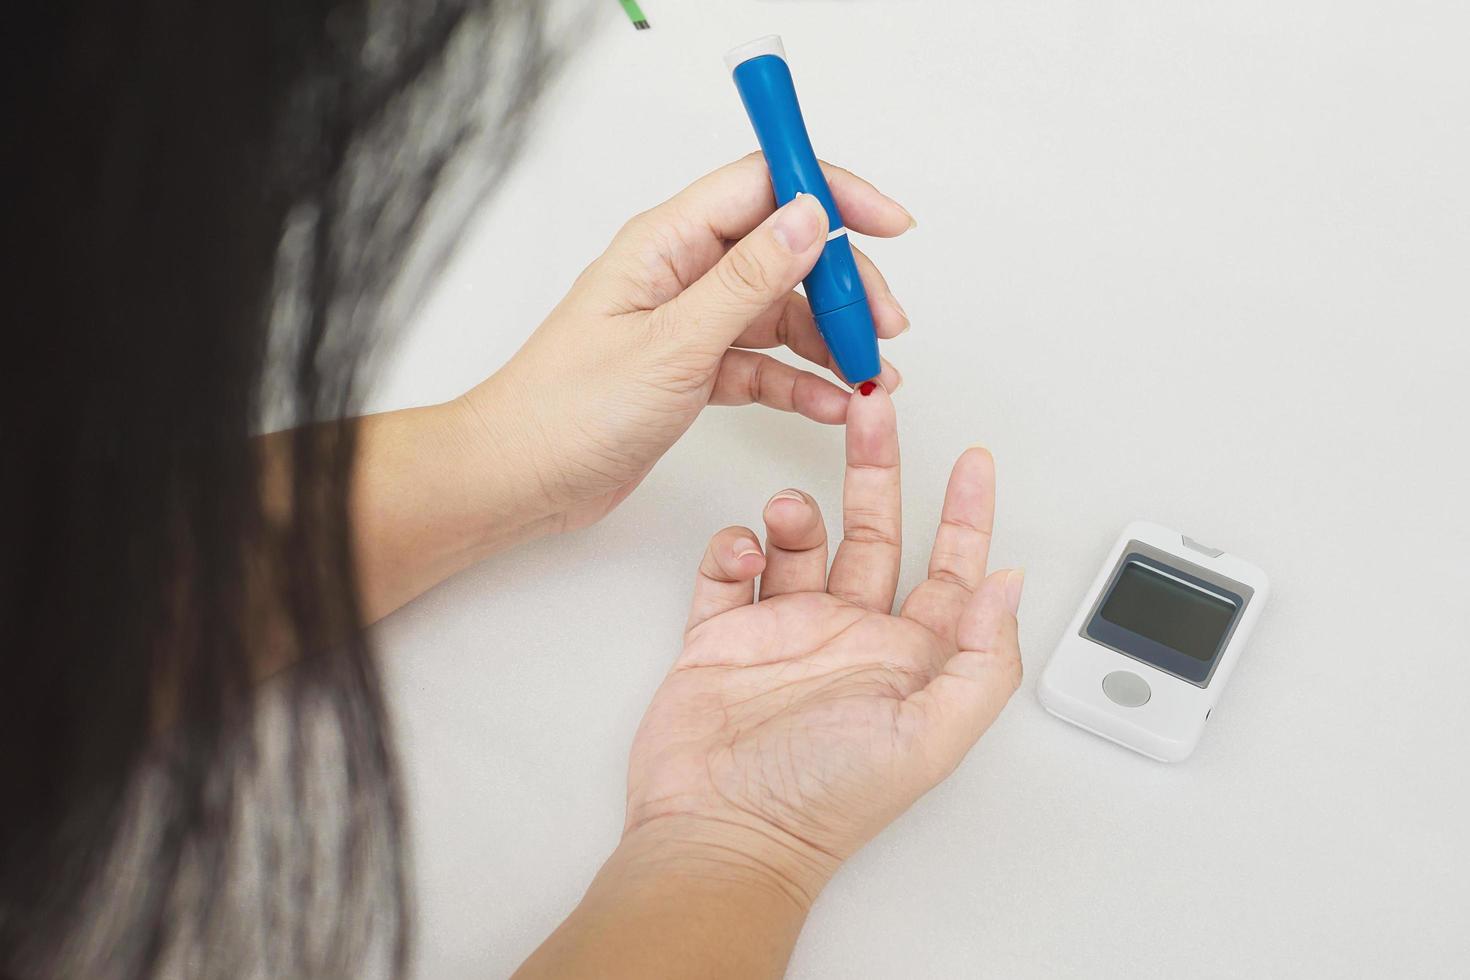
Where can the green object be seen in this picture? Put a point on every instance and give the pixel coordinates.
(635, 14)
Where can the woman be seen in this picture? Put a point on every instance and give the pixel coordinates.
(212, 205)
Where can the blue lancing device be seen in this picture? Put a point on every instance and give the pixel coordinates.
(834, 289)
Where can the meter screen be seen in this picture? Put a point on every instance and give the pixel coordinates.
(1165, 616)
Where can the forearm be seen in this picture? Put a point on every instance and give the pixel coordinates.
(660, 910)
(435, 490)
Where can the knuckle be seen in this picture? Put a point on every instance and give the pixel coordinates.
(1015, 671)
(636, 228)
(661, 323)
(755, 379)
(947, 571)
(796, 329)
(871, 534)
(869, 527)
(784, 324)
(966, 527)
(742, 274)
(882, 467)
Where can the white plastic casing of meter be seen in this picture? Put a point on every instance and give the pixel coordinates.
(1094, 684)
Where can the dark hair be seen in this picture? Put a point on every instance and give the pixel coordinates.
(209, 205)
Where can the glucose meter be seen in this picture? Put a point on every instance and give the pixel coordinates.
(1152, 644)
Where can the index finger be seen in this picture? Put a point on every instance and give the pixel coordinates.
(865, 571)
(864, 208)
(730, 202)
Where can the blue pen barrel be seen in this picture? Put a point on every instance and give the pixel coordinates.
(833, 287)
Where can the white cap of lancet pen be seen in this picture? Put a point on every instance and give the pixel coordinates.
(770, 44)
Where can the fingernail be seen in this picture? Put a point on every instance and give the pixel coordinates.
(786, 495)
(913, 222)
(1015, 581)
(798, 223)
(897, 381)
(866, 388)
(746, 547)
(906, 325)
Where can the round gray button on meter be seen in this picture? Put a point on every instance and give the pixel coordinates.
(1126, 688)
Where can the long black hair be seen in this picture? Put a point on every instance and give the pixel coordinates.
(208, 208)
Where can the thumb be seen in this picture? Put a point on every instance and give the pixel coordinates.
(759, 270)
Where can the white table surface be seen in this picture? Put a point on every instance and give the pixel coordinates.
(1205, 264)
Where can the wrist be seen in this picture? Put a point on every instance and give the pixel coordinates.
(500, 462)
(426, 503)
(741, 855)
(683, 898)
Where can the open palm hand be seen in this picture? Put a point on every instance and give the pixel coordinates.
(810, 719)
